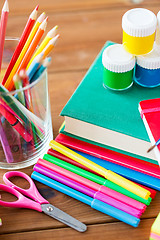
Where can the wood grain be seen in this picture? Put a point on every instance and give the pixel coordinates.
(104, 231)
(84, 27)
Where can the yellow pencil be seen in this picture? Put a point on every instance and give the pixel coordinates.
(25, 48)
(46, 51)
(114, 177)
(50, 35)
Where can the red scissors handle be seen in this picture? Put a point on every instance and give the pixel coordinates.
(31, 192)
(21, 202)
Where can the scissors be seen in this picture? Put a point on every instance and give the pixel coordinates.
(38, 203)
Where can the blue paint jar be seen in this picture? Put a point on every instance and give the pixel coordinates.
(147, 71)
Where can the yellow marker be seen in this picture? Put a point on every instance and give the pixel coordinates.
(50, 35)
(114, 177)
(25, 48)
(139, 26)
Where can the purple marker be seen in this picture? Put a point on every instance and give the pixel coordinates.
(5, 145)
(88, 191)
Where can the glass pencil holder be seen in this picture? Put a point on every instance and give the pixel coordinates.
(25, 126)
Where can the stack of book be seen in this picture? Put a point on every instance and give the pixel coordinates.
(107, 125)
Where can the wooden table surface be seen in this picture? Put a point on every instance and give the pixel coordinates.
(84, 25)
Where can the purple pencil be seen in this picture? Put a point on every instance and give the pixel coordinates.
(88, 191)
(5, 145)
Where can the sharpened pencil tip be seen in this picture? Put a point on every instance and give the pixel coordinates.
(5, 7)
(37, 7)
(151, 148)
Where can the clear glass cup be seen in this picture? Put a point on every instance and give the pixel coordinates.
(25, 130)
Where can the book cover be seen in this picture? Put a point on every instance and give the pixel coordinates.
(108, 117)
(150, 113)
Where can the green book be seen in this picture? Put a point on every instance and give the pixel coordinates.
(109, 118)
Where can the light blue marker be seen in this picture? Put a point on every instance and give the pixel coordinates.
(94, 203)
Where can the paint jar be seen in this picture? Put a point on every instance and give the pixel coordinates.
(25, 128)
(139, 26)
(118, 67)
(147, 71)
(157, 39)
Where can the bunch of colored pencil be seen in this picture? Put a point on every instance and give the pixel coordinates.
(103, 190)
(29, 61)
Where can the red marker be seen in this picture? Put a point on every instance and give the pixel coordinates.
(15, 123)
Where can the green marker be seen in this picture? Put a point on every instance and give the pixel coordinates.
(18, 86)
(94, 178)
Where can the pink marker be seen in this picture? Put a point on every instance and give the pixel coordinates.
(96, 187)
(88, 191)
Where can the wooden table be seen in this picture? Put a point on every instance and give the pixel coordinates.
(84, 25)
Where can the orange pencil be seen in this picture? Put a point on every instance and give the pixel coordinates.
(29, 52)
(33, 45)
(4, 18)
(24, 36)
(25, 48)
(46, 51)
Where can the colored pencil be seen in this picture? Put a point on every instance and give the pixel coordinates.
(110, 175)
(49, 47)
(21, 43)
(51, 34)
(3, 23)
(33, 45)
(34, 66)
(94, 203)
(24, 50)
(46, 62)
(95, 186)
(29, 52)
(87, 190)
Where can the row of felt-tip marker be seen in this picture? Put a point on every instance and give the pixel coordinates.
(88, 187)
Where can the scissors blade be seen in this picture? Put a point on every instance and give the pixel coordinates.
(63, 217)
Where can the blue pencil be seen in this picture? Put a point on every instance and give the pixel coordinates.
(41, 69)
(94, 203)
(34, 66)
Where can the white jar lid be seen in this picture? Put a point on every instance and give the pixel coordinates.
(158, 18)
(150, 60)
(116, 59)
(139, 22)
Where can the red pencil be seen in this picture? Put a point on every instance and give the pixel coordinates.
(15, 123)
(32, 46)
(21, 43)
(4, 18)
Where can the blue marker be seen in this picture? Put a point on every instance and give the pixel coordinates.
(131, 174)
(94, 203)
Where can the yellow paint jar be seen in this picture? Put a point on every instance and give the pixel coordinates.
(139, 26)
